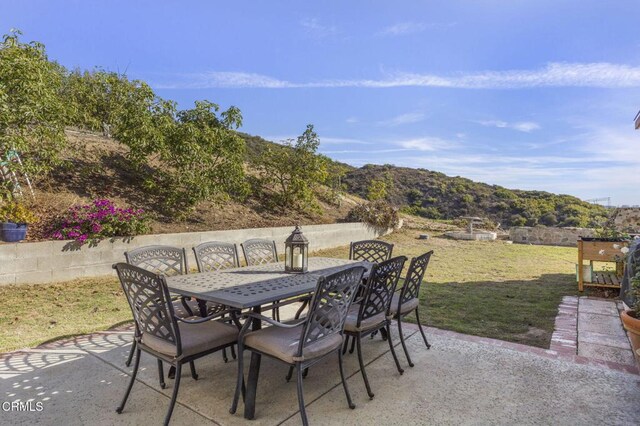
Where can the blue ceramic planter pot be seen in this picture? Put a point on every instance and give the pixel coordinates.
(13, 232)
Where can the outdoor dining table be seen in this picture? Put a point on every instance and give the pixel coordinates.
(253, 287)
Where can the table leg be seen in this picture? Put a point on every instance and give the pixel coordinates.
(202, 304)
(254, 372)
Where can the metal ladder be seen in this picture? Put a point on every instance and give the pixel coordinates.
(9, 175)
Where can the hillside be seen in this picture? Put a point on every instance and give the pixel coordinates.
(434, 195)
(96, 167)
(438, 196)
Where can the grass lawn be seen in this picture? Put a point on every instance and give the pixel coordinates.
(493, 289)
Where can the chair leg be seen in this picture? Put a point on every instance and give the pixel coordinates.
(290, 373)
(161, 374)
(353, 344)
(383, 334)
(233, 352)
(421, 330)
(362, 370)
(345, 346)
(172, 372)
(224, 355)
(174, 395)
(305, 373)
(136, 364)
(194, 375)
(134, 345)
(303, 412)
(393, 351)
(240, 381)
(344, 382)
(404, 346)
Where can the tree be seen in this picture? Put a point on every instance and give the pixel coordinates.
(292, 171)
(377, 190)
(32, 111)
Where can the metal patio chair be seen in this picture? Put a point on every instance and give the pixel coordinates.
(307, 341)
(372, 313)
(216, 256)
(258, 251)
(162, 260)
(405, 300)
(374, 251)
(162, 334)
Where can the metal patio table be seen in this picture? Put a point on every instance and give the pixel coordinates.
(253, 287)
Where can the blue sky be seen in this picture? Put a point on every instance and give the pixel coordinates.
(526, 94)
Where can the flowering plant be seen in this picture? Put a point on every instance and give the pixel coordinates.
(97, 220)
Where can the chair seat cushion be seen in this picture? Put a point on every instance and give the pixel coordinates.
(195, 338)
(407, 306)
(282, 343)
(366, 324)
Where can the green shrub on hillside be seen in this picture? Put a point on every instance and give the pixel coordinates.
(290, 173)
(379, 214)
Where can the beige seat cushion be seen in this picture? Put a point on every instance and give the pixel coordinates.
(282, 343)
(196, 338)
(407, 306)
(366, 324)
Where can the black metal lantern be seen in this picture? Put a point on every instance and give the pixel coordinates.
(296, 252)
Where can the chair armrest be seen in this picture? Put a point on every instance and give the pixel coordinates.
(218, 314)
(272, 321)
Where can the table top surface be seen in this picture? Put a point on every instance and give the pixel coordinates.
(257, 285)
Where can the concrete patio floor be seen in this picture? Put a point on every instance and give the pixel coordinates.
(460, 380)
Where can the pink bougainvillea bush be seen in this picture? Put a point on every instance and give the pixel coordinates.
(97, 220)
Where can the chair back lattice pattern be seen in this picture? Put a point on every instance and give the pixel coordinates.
(216, 255)
(150, 303)
(381, 285)
(330, 305)
(161, 260)
(417, 268)
(371, 251)
(258, 252)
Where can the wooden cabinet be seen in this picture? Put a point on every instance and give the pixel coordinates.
(601, 250)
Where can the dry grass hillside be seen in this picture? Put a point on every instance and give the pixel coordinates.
(98, 168)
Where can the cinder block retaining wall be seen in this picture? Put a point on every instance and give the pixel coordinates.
(53, 261)
(548, 235)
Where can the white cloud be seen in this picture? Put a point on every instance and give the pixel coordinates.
(314, 28)
(352, 120)
(557, 74)
(404, 28)
(522, 126)
(399, 120)
(425, 144)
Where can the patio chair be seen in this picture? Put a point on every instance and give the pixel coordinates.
(307, 341)
(163, 260)
(372, 313)
(162, 334)
(258, 251)
(374, 251)
(405, 300)
(215, 256)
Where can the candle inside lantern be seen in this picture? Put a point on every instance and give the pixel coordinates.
(297, 261)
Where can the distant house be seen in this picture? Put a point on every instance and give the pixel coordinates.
(637, 119)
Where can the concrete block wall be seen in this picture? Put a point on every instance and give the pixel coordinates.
(548, 235)
(53, 261)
